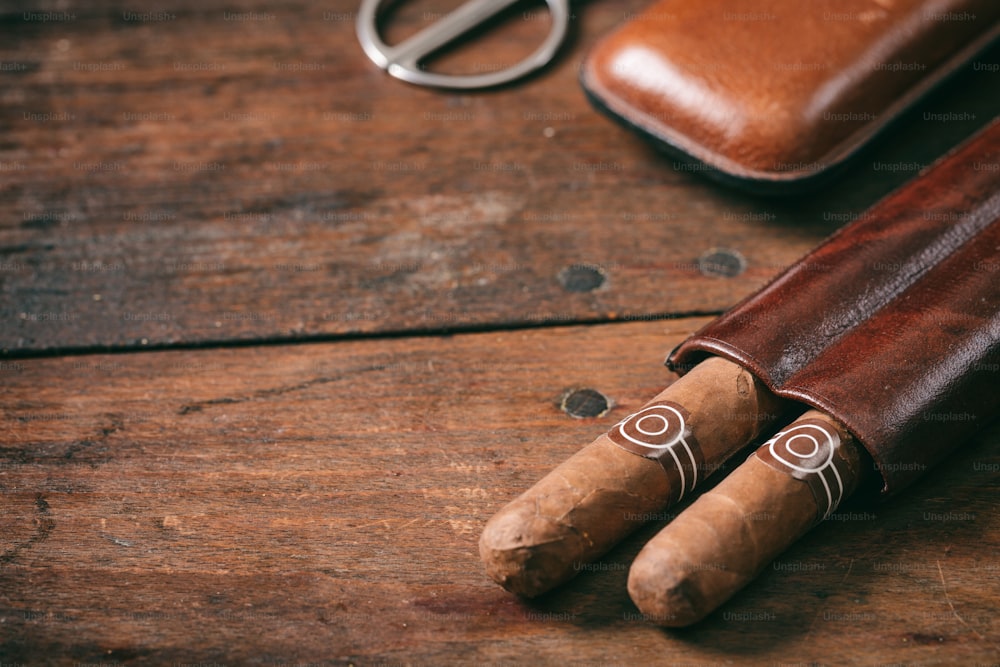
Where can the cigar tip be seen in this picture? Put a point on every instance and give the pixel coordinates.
(664, 593)
(509, 557)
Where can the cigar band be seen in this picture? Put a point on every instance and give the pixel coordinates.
(662, 432)
(809, 451)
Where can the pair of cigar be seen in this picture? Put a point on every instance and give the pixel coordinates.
(652, 459)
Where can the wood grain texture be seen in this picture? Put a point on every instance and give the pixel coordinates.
(321, 503)
(219, 173)
(207, 173)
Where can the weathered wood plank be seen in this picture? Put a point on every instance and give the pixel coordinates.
(198, 177)
(321, 504)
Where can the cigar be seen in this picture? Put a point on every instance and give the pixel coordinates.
(645, 463)
(726, 537)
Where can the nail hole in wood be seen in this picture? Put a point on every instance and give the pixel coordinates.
(722, 262)
(584, 403)
(581, 278)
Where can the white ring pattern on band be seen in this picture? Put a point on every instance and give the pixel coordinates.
(781, 448)
(665, 417)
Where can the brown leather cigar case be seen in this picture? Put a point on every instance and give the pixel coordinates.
(773, 95)
(892, 326)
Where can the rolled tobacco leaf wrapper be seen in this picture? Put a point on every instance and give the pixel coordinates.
(726, 537)
(645, 463)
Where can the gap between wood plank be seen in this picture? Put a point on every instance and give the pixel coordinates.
(333, 338)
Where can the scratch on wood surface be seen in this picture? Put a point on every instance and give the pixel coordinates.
(850, 566)
(385, 523)
(820, 611)
(951, 606)
(43, 528)
(115, 424)
(117, 540)
(397, 524)
(448, 213)
(198, 406)
(31, 451)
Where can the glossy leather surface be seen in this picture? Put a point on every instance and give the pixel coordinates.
(779, 91)
(893, 324)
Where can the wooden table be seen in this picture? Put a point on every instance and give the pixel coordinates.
(280, 333)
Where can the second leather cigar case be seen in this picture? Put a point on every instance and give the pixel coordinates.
(892, 326)
(773, 95)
